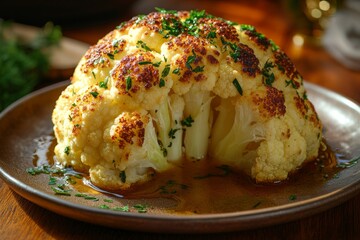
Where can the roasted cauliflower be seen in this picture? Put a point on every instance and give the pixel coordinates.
(169, 86)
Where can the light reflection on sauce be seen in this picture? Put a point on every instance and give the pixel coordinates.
(203, 188)
(44, 152)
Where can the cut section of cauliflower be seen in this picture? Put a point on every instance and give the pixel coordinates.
(173, 86)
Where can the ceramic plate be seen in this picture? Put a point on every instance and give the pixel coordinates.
(26, 127)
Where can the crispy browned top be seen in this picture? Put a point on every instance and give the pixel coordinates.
(130, 75)
(272, 104)
(130, 130)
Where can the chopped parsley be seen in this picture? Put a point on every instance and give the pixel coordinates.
(67, 150)
(128, 83)
(305, 97)
(268, 76)
(247, 27)
(191, 23)
(145, 62)
(274, 47)
(237, 86)
(60, 190)
(236, 50)
(211, 34)
(140, 208)
(256, 204)
(172, 187)
(140, 18)
(86, 197)
(162, 148)
(225, 171)
(190, 60)
(141, 44)
(157, 64)
(171, 27)
(165, 71)
(111, 56)
(162, 10)
(176, 71)
(162, 82)
(103, 84)
(350, 163)
(122, 176)
(99, 60)
(121, 25)
(174, 27)
(94, 94)
(198, 69)
(187, 122)
(70, 180)
(104, 206)
(291, 83)
(52, 180)
(292, 197)
(44, 169)
(172, 132)
(122, 209)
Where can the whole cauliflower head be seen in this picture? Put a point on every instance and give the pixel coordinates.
(170, 86)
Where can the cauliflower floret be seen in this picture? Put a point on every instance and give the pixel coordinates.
(131, 151)
(170, 86)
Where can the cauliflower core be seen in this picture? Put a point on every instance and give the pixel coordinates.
(171, 86)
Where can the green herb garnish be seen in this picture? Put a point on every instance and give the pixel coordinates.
(52, 180)
(145, 62)
(103, 84)
(111, 56)
(246, 27)
(67, 150)
(256, 204)
(140, 208)
(162, 10)
(350, 163)
(122, 209)
(162, 82)
(94, 94)
(211, 35)
(171, 187)
(122, 176)
(292, 197)
(104, 206)
(268, 76)
(291, 83)
(225, 171)
(165, 71)
(143, 45)
(187, 122)
(176, 71)
(60, 190)
(237, 86)
(128, 83)
(172, 132)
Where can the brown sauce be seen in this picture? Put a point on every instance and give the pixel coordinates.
(198, 187)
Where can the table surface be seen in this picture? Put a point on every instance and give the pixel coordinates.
(21, 219)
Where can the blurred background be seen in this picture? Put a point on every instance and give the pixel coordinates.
(322, 37)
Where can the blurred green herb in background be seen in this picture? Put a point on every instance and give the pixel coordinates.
(23, 63)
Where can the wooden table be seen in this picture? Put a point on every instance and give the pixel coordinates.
(21, 219)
